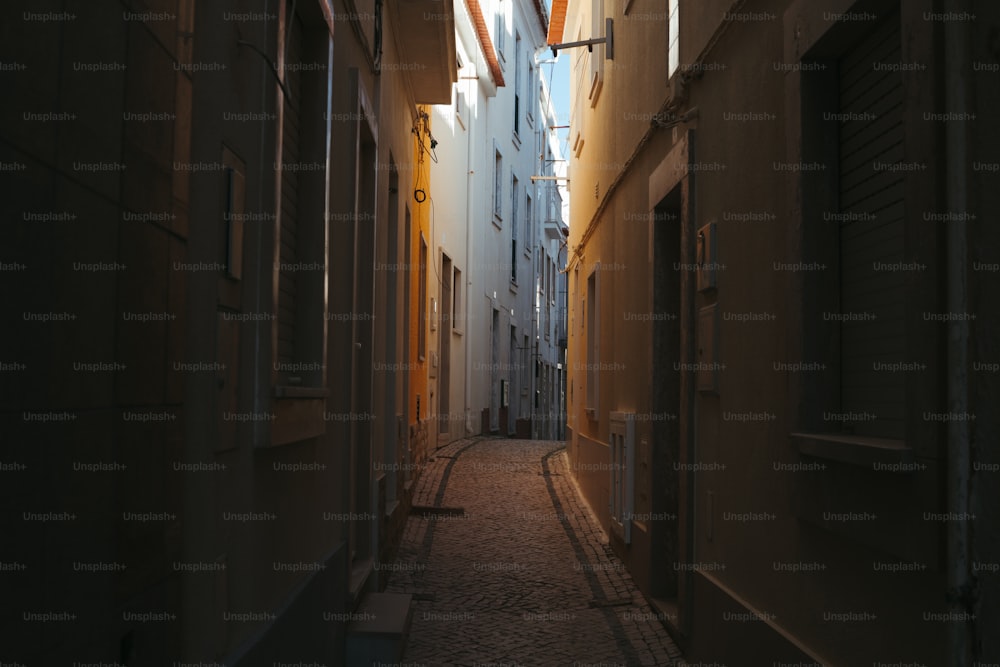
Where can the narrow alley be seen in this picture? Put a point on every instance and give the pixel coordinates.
(508, 567)
(500, 333)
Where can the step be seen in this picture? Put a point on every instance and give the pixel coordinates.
(380, 629)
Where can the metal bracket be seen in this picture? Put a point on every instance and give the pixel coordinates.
(608, 41)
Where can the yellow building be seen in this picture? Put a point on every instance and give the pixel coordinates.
(419, 270)
(766, 337)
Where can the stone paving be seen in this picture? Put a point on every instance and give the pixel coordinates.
(524, 576)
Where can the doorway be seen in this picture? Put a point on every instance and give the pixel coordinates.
(665, 399)
(444, 352)
(495, 372)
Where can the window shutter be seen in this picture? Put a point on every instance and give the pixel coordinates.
(290, 154)
(866, 189)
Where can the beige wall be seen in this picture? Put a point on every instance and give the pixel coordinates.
(730, 172)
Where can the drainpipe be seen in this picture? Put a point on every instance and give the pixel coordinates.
(469, 191)
(957, 60)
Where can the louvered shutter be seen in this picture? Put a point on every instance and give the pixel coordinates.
(867, 190)
(290, 153)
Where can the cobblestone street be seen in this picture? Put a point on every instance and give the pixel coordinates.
(523, 576)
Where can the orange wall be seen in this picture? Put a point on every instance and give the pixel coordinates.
(419, 223)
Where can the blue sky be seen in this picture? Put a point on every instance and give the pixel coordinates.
(557, 76)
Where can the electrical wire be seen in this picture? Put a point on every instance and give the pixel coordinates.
(271, 65)
(432, 152)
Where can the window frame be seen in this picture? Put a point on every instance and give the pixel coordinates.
(821, 291)
(457, 291)
(497, 185)
(422, 315)
(530, 99)
(673, 37)
(592, 326)
(513, 226)
(621, 446)
(500, 30)
(529, 245)
(517, 84)
(596, 54)
(298, 381)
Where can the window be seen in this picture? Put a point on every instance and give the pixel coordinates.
(583, 300)
(500, 30)
(288, 215)
(235, 187)
(497, 184)
(529, 102)
(597, 55)
(447, 293)
(458, 97)
(456, 309)
(548, 319)
(529, 237)
(422, 304)
(513, 229)
(593, 324)
(540, 278)
(622, 447)
(548, 278)
(299, 261)
(545, 276)
(872, 231)
(517, 83)
(547, 287)
(858, 314)
(673, 30)
(459, 106)
(554, 282)
(861, 228)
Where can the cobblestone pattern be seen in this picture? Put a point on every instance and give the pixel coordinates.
(524, 576)
(418, 442)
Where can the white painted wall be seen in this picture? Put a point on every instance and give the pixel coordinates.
(463, 224)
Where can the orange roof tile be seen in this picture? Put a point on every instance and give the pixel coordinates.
(476, 12)
(557, 22)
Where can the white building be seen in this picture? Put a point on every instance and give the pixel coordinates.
(488, 228)
(550, 302)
